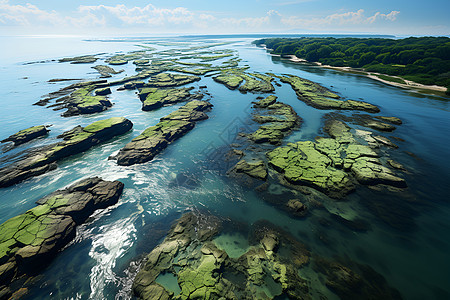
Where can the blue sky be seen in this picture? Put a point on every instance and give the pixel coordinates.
(118, 17)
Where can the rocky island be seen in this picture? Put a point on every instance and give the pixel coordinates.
(77, 140)
(30, 241)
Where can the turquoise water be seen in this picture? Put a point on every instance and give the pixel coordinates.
(188, 175)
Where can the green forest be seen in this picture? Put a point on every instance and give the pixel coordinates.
(424, 60)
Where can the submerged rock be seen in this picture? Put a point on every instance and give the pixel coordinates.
(77, 140)
(30, 241)
(354, 281)
(319, 97)
(256, 169)
(205, 271)
(154, 139)
(27, 135)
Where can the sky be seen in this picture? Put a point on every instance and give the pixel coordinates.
(139, 17)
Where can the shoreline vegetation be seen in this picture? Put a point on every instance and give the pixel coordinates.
(420, 64)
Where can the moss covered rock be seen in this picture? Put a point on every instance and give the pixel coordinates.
(75, 141)
(27, 135)
(170, 80)
(29, 242)
(319, 97)
(154, 98)
(154, 139)
(256, 169)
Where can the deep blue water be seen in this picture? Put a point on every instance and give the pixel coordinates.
(188, 176)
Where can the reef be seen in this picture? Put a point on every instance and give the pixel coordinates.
(200, 259)
(27, 135)
(192, 254)
(43, 159)
(331, 164)
(85, 59)
(231, 81)
(154, 139)
(29, 242)
(279, 120)
(256, 169)
(170, 80)
(321, 98)
(79, 99)
(106, 71)
(254, 82)
(154, 98)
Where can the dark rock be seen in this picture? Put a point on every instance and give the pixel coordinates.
(296, 208)
(29, 242)
(77, 140)
(154, 139)
(27, 135)
(256, 169)
(103, 91)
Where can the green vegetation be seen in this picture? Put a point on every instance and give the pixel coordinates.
(425, 60)
(392, 79)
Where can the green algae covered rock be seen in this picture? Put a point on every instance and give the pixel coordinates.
(106, 71)
(154, 139)
(154, 98)
(231, 81)
(170, 80)
(256, 169)
(81, 101)
(75, 141)
(301, 163)
(279, 120)
(254, 83)
(103, 91)
(118, 62)
(29, 241)
(27, 135)
(319, 97)
(203, 271)
(332, 165)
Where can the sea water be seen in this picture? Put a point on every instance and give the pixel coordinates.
(190, 174)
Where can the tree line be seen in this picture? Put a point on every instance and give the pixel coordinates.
(424, 60)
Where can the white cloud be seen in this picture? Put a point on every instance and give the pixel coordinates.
(26, 15)
(162, 20)
(338, 19)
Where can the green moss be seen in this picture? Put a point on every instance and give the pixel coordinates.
(170, 80)
(321, 98)
(103, 124)
(255, 85)
(301, 163)
(231, 81)
(156, 98)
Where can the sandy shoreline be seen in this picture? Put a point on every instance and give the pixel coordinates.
(408, 84)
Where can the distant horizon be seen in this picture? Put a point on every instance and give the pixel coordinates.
(224, 35)
(195, 17)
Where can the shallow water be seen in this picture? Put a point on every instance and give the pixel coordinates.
(408, 242)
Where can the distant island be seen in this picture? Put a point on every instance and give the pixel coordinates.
(424, 60)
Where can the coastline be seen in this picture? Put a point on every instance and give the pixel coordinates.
(408, 83)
